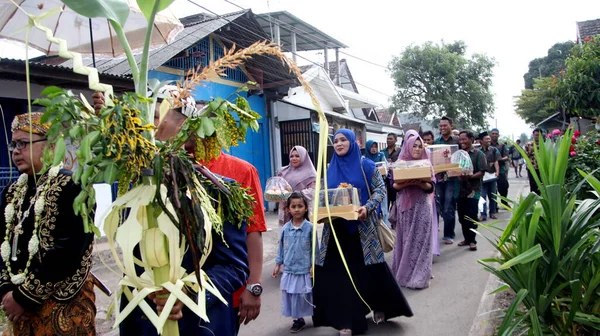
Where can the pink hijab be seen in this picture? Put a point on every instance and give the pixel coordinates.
(411, 193)
(299, 178)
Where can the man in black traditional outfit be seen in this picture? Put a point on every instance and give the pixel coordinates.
(45, 281)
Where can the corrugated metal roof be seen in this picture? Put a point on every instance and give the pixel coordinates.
(195, 31)
(307, 36)
(47, 74)
(39, 65)
(242, 29)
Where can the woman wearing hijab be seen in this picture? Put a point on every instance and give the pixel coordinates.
(372, 153)
(337, 303)
(412, 217)
(301, 175)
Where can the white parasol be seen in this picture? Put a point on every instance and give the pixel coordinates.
(79, 31)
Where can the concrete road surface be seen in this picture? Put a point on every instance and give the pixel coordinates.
(448, 307)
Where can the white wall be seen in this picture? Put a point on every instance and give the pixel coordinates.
(287, 112)
(103, 201)
(298, 96)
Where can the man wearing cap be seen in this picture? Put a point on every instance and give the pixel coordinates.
(45, 282)
(503, 162)
(226, 265)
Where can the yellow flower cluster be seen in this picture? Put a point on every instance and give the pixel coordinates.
(125, 142)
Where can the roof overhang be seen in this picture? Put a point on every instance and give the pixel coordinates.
(377, 137)
(307, 36)
(549, 119)
(45, 74)
(356, 100)
(320, 81)
(326, 112)
(382, 128)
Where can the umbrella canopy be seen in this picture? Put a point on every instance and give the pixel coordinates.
(75, 29)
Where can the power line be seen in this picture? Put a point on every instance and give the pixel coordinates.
(262, 37)
(307, 36)
(364, 60)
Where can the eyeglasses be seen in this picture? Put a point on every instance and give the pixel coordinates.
(21, 144)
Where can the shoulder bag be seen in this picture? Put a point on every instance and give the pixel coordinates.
(387, 236)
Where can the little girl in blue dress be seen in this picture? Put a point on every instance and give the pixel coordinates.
(295, 256)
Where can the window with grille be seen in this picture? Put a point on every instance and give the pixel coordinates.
(192, 57)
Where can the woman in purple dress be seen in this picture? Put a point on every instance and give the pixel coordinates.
(412, 217)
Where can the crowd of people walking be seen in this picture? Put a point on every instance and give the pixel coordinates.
(354, 278)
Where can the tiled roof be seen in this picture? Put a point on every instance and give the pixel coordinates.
(384, 116)
(588, 28)
(414, 126)
(387, 117)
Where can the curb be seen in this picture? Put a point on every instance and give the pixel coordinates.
(481, 324)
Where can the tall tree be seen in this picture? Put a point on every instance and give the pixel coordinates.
(524, 138)
(549, 65)
(435, 80)
(578, 86)
(535, 105)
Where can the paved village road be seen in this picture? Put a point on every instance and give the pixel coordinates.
(448, 307)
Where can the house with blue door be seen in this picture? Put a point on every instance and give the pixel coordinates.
(204, 39)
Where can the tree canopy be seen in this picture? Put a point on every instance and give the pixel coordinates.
(535, 105)
(434, 80)
(549, 65)
(524, 138)
(578, 86)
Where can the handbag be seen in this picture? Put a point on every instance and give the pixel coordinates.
(387, 237)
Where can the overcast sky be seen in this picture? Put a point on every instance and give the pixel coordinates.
(513, 32)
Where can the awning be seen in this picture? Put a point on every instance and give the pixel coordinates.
(549, 118)
(356, 100)
(329, 113)
(377, 137)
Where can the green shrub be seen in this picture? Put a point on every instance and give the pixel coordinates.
(549, 253)
(584, 155)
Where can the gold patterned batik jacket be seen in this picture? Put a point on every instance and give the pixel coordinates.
(58, 274)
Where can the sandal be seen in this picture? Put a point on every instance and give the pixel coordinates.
(493, 217)
(473, 247)
(463, 243)
(345, 332)
(378, 317)
(448, 241)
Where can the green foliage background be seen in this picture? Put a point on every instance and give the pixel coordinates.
(433, 80)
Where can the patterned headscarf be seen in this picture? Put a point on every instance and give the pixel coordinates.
(22, 123)
(170, 92)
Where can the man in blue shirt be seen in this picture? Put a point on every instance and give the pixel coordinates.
(446, 189)
(226, 266)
